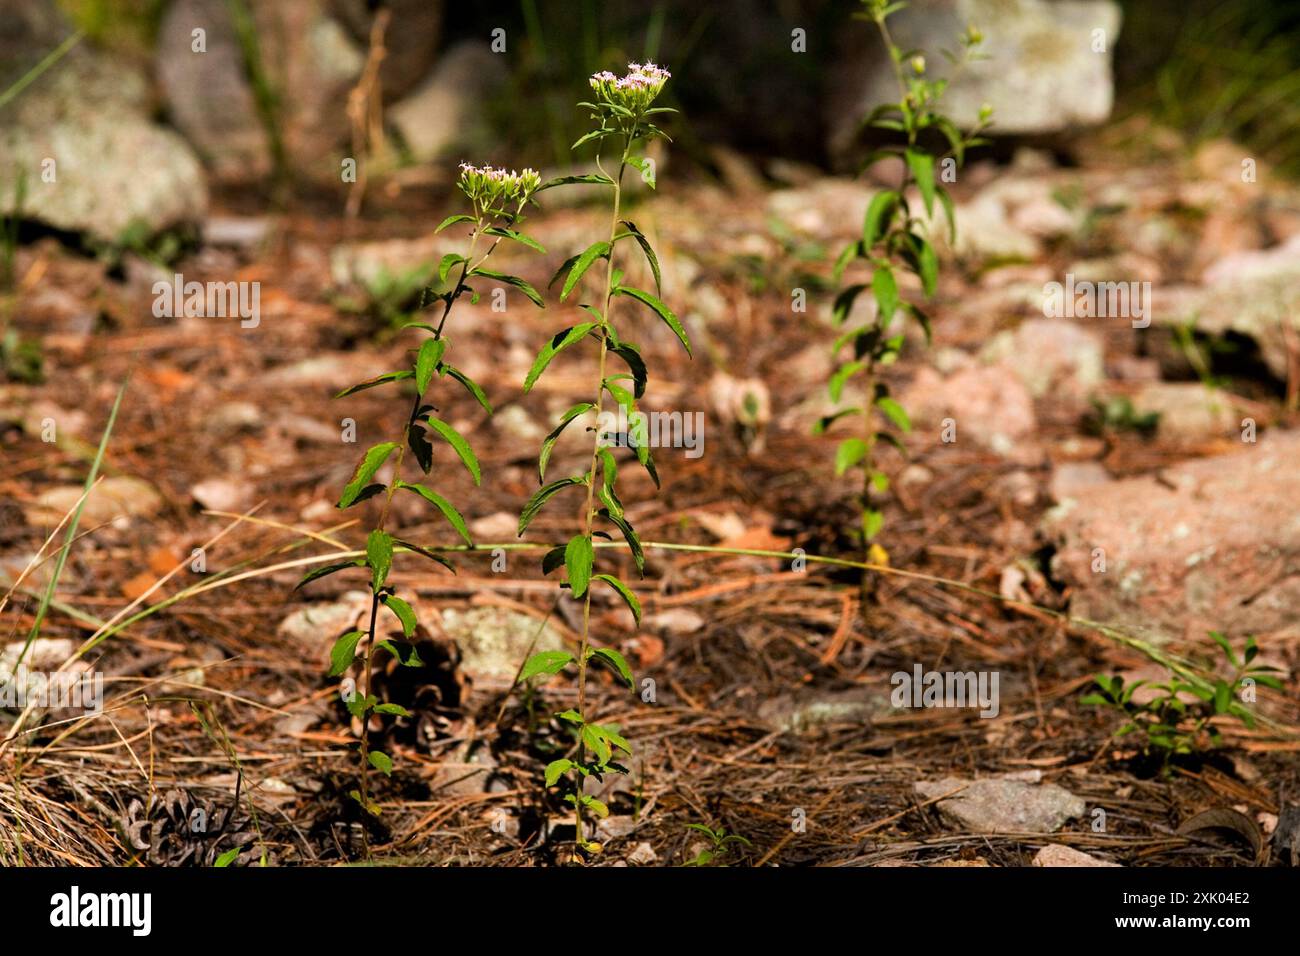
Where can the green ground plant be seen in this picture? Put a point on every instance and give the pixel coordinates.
(894, 238)
(1169, 725)
(625, 121)
(497, 199)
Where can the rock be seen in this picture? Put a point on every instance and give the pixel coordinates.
(988, 405)
(745, 406)
(1071, 477)
(222, 494)
(642, 854)
(1051, 356)
(46, 654)
(494, 641)
(1056, 855)
(232, 418)
(827, 208)
(797, 713)
(998, 805)
(332, 370)
(498, 526)
(1042, 73)
(515, 422)
(209, 97)
(1189, 411)
(1253, 294)
(236, 232)
(445, 113)
(675, 622)
(316, 625)
(1209, 544)
(309, 61)
(113, 169)
(115, 499)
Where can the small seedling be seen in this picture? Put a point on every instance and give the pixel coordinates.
(625, 118)
(1169, 726)
(497, 199)
(721, 843)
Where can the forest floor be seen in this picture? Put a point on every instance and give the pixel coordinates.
(769, 712)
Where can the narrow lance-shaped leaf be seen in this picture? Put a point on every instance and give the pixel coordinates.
(515, 281)
(665, 313)
(549, 444)
(625, 593)
(426, 362)
(541, 496)
(371, 462)
(379, 555)
(458, 442)
(578, 560)
(443, 505)
(644, 243)
(560, 341)
(593, 252)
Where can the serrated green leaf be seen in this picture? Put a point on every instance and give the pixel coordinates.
(371, 462)
(545, 662)
(556, 769)
(885, 289)
(628, 597)
(426, 362)
(850, 452)
(558, 343)
(579, 557)
(458, 442)
(381, 762)
(515, 281)
(378, 380)
(443, 505)
(548, 445)
(326, 570)
(452, 220)
(608, 655)
(528, 241)
(541, 496)
(665, 313)
(894, 412)
(876, 221)
(922, 166)
(404, 613)
(589, 255)
(379, 555)
(470, 385)
(644, 243)
(344, 650)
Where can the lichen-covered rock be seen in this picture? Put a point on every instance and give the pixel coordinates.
(80, 140)
(1000, 805)
(1210, 544)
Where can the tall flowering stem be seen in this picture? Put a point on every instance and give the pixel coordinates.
(625, 120)
(497, 199)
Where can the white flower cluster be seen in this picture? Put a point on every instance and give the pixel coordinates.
(635, 91)
(490, 188)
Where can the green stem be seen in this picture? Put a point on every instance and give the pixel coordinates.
(589, 518)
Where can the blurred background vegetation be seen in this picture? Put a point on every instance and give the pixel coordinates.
(1205, 68)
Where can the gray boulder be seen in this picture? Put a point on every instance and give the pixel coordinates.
(1042, 74)
(81, 141)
